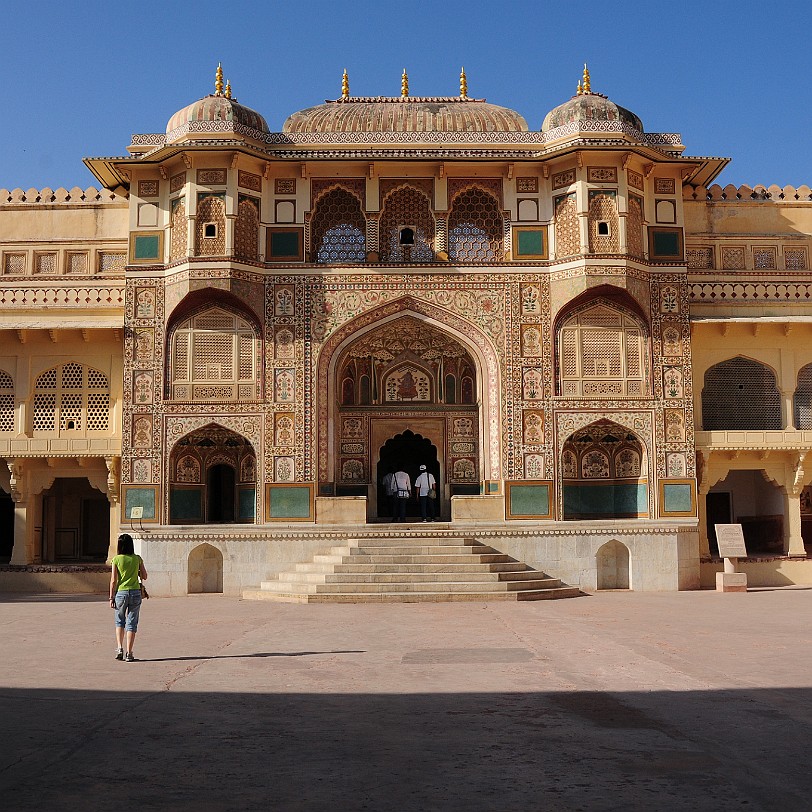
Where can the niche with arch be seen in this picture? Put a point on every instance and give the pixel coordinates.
(205, 570)
(612, 563)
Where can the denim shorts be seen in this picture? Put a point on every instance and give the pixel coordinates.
(128, 607)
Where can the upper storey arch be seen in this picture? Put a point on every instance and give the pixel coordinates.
(407, 226)
(475, 226)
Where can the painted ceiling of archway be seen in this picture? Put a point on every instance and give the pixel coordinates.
(407, 335)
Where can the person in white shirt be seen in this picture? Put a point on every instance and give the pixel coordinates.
(424, 483)
(403, 490)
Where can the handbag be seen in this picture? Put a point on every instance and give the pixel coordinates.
(432, 492)
(144, 593)
(403, 494)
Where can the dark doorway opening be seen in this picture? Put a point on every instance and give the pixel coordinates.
(407, 452)
(718, 511)
(222, 493)
(6, 527)
(75, 522)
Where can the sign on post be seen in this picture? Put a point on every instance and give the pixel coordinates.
(730, 540)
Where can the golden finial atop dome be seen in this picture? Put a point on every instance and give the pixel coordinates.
(579, 92)
(404, 84)
(345, 85)
(218, 81)
(587, 84)
(463, 84)
(228, 89)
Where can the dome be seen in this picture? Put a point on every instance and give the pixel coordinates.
(591, 107)
(216, 113)
(405, 114)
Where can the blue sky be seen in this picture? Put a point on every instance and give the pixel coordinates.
(732, 77)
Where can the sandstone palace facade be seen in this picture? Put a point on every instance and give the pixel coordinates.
(597, 352)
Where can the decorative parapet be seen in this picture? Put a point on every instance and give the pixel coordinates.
(745, 193)
(662, 141)
(89, 196)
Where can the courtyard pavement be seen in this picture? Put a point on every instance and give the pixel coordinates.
(615, 701)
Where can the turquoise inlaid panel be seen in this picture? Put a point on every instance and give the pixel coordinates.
(530, 243)
(677, 498)
(147, 246)
(285, 244)
(248, 500)
(529, 500)
(289, 503)
(186, 503)
(139, 497)
(605, 500)
(666, 244)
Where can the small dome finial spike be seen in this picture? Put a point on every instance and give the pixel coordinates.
(218, 80)
(578, 91)
(345, 85)
(587, 83)
(404, 84)
(463, 84)
(228, 89)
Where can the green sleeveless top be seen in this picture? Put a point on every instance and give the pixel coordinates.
(127, 566)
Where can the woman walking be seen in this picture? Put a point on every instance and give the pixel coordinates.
(127, 572)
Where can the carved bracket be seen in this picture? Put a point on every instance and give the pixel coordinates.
(113, 478)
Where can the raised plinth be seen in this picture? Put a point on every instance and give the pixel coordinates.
(731, 582)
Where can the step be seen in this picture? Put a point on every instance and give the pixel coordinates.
(494, 558)
(405, 575)
(412, 597)
(413, 549)
(407, 586)
(469, 566)
(416, 538)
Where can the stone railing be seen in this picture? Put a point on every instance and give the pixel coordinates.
(746, 193)
(91, 195)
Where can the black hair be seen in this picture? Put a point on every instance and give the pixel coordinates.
(125, 544)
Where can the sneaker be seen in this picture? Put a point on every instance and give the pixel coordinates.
(128, 657)
(119, 653)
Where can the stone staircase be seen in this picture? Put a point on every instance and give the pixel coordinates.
(409, 568)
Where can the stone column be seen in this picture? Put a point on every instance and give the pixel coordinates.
(702, 508)
(793, 540)
(787, 409)
(113, 484)
(21, 553)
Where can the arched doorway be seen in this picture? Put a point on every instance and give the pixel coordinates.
(604, 473)
(212, 478)
(406, 452)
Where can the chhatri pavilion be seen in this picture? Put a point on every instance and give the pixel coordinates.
(223, 349)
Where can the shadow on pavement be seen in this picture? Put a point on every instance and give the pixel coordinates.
(247, 656)
(463, 752)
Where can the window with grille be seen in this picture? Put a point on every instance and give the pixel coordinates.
(603, 222)
(211, 211)
(603, 354)
(634, 227)
(214, 357)
(246, 231)
(475, 228)
(71, 398)
(179, 237)
(802, 400)
(6, 402)
(740, 394)
(338, 228)
(406, 205)
(567, 229)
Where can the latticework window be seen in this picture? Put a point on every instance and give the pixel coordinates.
(71, 397)
(338, 228)
(211, 226)
(406, 208)
(603, 223)
(475, 228)
(179, 240)
(214, 357)
(740, 394)
(802, 400)
(634, 227)
(6, 402)
(246, 231)
(567, 232)
(603, 354)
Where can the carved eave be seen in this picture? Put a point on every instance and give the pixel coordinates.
(706, 171)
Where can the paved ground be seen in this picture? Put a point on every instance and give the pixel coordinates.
(621, 701)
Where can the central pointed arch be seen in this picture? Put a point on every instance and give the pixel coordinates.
(469, 336)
